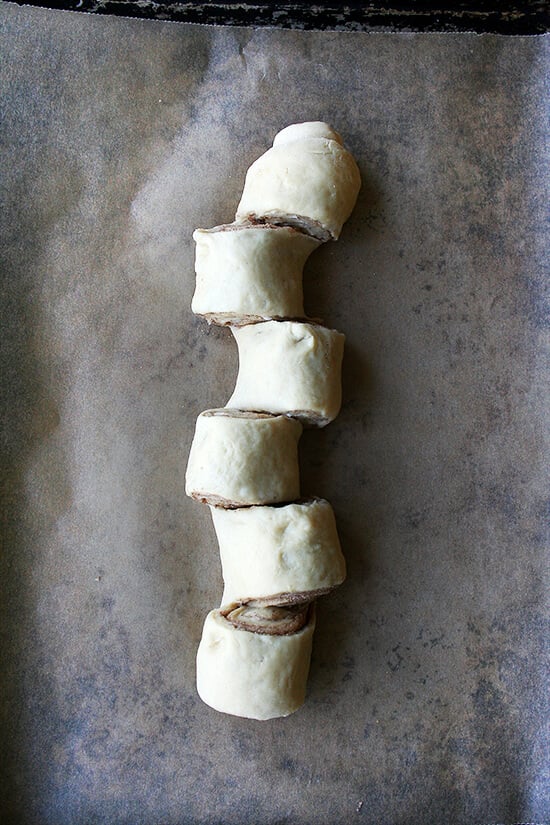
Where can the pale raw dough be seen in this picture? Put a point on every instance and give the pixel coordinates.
(289, 367)
(239, 458)
(254, 655)
(268, 551)
(254, 675)
(307, 179)
(303, 131)
(248, 273)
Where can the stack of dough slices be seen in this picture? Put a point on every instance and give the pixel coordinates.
(278, 552)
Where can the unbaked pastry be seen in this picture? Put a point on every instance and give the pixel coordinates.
(254, 673)
(239, 458)
(282, 555)
(253, 658)
(250, 272)
(289, 367)
(307, 179)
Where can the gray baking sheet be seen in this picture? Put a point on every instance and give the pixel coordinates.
(426, 698)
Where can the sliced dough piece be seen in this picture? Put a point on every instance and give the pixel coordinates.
(290, 367)
(239, 458)
(307, 180)
(250, 272)
(282, 555)
(253, 674)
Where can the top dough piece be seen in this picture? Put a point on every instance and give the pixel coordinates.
(307, 180)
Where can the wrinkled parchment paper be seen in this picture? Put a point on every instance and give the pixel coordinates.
(426, 694)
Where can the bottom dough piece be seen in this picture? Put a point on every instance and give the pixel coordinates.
(250, 673)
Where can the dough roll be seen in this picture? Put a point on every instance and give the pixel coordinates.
(307, 179)
(279, 554)
(254, 662)
(239, 458)
(290, 367)
(247, 273)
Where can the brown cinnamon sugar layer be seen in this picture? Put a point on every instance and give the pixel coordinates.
(305, 417)
(298, 222)
(239, 226)
(288, 599)
(228, 412)
(229, 319)
(215, 501)
(270, 620)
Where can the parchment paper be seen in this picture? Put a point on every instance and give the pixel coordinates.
(426, 695)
